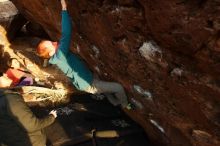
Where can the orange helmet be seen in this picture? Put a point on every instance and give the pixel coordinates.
(45, 47)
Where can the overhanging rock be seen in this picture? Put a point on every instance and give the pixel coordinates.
(10, 19)
(166, 49)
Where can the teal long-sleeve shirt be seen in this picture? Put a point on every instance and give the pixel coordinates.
(69, 63)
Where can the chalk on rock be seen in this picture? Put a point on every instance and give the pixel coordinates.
(177, 72)
(96, 51)
(145, 93)
(136, 103)
(157, 125)
(150, 51)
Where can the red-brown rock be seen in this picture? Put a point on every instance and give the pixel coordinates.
(167, 49)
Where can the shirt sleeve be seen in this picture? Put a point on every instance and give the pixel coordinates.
(65, 40)
(24, 116)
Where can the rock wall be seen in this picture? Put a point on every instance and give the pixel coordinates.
(7, 12)
(165, 53)
(10, 19)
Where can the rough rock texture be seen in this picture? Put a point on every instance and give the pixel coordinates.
(7, 12)
(10, 20)
(165, 53)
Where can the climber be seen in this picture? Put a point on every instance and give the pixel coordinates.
(73, 66)
(19, 126)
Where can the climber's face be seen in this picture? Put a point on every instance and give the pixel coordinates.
(46, 49)
(15, 64)
(50, 47)
(5, 81)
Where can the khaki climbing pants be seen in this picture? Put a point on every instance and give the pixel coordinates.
(99, 86)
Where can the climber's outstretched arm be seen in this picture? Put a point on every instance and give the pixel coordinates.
(66, 29)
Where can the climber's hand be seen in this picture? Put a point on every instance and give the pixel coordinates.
(63, 4)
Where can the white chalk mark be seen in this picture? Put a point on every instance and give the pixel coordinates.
(143, 92)
(157, 125)
(149, 50)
